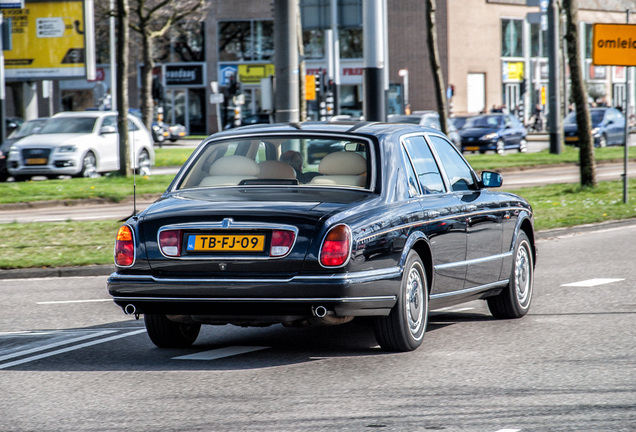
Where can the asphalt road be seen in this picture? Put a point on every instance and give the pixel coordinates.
(71, 361)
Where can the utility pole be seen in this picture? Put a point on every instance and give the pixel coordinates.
(554, 119)
(286, 61)
(335, 52)
(373, 81)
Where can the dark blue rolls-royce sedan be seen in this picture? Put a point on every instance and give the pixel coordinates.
(392, 224)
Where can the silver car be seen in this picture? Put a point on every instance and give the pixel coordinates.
(79, 144)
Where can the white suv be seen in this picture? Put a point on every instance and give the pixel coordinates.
(79, 144)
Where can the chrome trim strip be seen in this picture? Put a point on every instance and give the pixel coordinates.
(357, 276)
(255, 299)
(473, 289)
(227, 224)
(439, 219)
(473, 261)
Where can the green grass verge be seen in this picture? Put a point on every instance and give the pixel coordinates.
(569, 155)
(61, 244)
(172, 156)
(57, 244)
(112, 188)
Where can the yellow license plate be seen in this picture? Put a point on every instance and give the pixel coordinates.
(36, 161)
(571, 138)
(471, 148)
(226, 243)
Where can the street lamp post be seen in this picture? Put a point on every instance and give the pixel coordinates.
(404, 73)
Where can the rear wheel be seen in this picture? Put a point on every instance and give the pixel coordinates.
(403, 329)
(514, 300)
(143, 164)
(523, 146)
(169, 334)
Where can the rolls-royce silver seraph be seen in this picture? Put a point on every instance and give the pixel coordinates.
(385, 221)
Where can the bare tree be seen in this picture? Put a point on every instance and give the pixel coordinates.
(579, 94)
(433, 57)
(152, 19)
(122, 87)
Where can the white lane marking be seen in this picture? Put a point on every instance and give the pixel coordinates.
(452, 309)
(221, 353)
(74, 301)
(509, 430)
(53, 345)
(592, 282)
(68, 349)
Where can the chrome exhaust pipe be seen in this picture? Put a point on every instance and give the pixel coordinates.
(320, 311)
(130, 309)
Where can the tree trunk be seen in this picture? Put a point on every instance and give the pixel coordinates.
(122, 87)
(579, 93)
(433, 57)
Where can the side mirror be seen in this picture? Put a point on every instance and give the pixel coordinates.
(491, 179)
(107, 130)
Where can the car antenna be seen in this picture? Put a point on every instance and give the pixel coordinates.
(134, 152)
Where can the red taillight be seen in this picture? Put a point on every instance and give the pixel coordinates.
(336, 246)
(282, 242)
(170, 242)
(124, 247)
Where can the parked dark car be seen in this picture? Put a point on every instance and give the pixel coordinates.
(496, 132)
(428, 119)
(393, 225)
(608, 127)
(25, 129)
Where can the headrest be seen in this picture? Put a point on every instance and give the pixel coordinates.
(276, 170)
(234, 165)
(343, 163)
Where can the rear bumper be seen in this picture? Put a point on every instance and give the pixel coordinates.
(371, 293)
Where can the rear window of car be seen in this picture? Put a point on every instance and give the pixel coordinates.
(289, 161)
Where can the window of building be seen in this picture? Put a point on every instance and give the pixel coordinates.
(511, 38)
(316, 18)
(588, 35)
(246, 40)
(538, 41)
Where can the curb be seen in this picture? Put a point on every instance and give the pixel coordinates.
(49, 272)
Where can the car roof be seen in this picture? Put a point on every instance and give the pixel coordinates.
(364, 128)
(95, 114)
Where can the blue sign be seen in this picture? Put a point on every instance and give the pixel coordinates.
(226, 72)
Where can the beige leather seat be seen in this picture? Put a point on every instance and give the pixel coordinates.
(342, 168)
(273, 169)
(230, 170)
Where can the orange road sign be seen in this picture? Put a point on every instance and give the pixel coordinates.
(614, 45)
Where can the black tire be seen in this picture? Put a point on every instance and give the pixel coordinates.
(523, 146)
(514, 301)
(21, 178)
(144, 164)
(501, 147)
(89, 166)
(169, 334)
(403, 329)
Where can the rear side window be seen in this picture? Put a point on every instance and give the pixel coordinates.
(428, 173)
(457, 169)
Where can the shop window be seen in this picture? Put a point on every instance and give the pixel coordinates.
(316, 18)
(246, 40)
(538, 41)
(511, 38)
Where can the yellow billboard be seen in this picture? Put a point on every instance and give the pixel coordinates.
(253, 73)
(47, 41)
(614, 45)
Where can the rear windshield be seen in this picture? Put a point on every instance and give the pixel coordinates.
(289, 161)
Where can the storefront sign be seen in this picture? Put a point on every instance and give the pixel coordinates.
(512, 71)
(48, 41)
(184, 75)
(253, 73)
